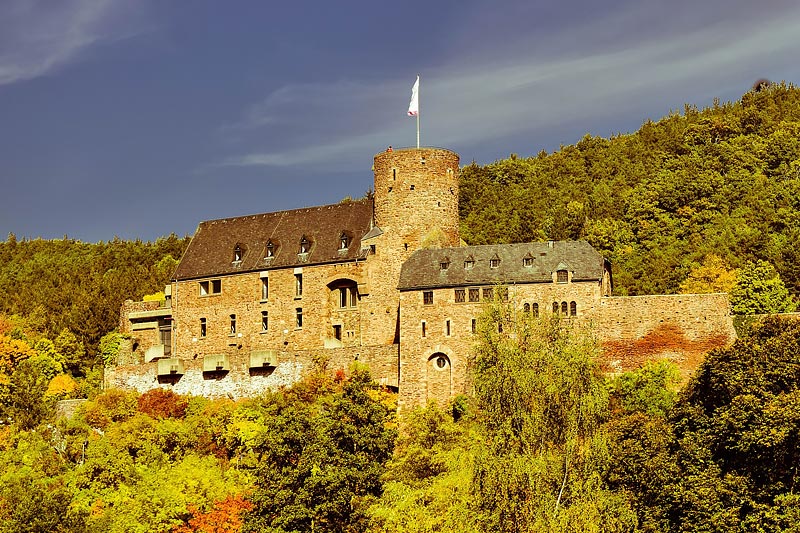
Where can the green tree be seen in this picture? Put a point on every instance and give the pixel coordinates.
(759, 290)
(321, 463)
(541, 401)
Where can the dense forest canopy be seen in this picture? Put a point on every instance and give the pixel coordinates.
(657, 203)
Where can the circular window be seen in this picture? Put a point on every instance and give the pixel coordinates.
(441, 362)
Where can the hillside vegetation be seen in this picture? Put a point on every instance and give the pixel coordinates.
(658, 202)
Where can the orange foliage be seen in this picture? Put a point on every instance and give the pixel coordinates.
(226, 516)
(160, 403)
(62, 386)
(12, 351)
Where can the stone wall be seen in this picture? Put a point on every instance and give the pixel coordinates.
(448, 332)
(242, 382)
(678, 327)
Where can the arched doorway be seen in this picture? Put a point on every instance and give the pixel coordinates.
(439, 378)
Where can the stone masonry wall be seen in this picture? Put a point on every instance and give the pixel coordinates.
(421, 377)
(241, 382)
(678, 327)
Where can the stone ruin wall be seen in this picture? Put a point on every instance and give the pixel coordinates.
(679, 327)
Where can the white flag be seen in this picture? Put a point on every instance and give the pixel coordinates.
(413, 107)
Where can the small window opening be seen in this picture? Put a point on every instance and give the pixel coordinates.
(460, 296)
(527, 261)
(474, 325)
(526, 308)
(372, 249)
(555, 307)
(264, 288)
(573, 309)
(298, 285)
(237, 254)
(562, 276)
(444, 265)
(441, 362)
(233, 324)
(494, 262)
(202, 327)
(337, 332)
(488, 293)
(412, 187)
(270, 250)
(468, 264)
(535, 309)
(423, 329)
(447, 328)
(427, 297)
(264, 320)
(304, 245)
(343, 242)
(564, 308)
(474, 295)
(299, 317)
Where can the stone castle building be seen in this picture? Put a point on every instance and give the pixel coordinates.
(258, 300)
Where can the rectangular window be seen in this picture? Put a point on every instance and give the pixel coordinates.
(298, 285)
(353, 296)
(213, 286)
(299, 318)
(461, 295)
(202, 327)
(337, 332)
(427, 297)
(474, 325)
(474, 295)
(527, 261)
(343, 297)
(264, 320)
(494, 263)
(233, 324)
(166, 339)
(488, 293)
(447, 328)
(265, 288)
(423, 329)
(562, 276)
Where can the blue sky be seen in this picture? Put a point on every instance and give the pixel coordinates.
(137, 119)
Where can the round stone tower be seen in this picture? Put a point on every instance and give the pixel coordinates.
(416, 198)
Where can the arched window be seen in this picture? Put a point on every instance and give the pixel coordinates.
(555, 307)
(564, 308)
(573, 309)
(535, 309)
(526, 308)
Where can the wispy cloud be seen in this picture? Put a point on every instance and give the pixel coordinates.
(38, 37)
(467, 103)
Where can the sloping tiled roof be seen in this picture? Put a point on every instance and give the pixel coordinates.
(211, 250)
(424, 268)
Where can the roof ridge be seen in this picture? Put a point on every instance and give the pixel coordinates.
(288, 211)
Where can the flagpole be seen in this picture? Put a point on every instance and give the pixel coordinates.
(417, 115)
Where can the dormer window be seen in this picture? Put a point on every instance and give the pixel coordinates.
(444, 264)
(270, 250)
(237, 254)
(304, 245)
(494, 262)
(469, 262)
(527, 261)
(562, 276)
(344, 242)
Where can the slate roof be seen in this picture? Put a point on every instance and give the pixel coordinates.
(211, 250)
(423, 270)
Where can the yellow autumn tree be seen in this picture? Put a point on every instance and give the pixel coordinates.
(713, 275)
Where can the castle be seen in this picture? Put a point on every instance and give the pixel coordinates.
(257, 300)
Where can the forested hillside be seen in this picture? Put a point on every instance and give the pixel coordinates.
(68, 284)
(723, 180)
